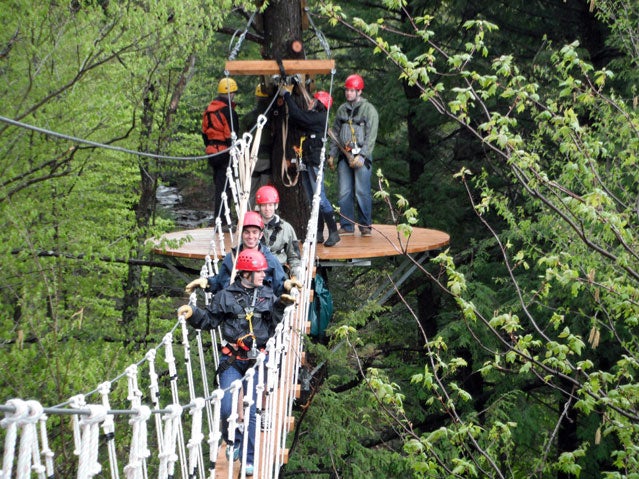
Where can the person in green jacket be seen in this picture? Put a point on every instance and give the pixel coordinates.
(356, 123)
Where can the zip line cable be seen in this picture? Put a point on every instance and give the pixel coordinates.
(44, 131)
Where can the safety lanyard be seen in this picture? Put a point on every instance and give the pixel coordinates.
(249, 311)
(249, 317)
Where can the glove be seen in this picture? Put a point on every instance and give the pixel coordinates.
(331, 163)
(287, 299)
(356, 161)
(290, 283)
(286, 88)
(200, 282)
(185, 311)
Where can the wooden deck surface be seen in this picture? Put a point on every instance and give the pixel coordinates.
(385, 241)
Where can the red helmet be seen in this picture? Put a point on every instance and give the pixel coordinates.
(267, 194)
(324, 98)
(253, 218)
(354, 82)
(251, 260)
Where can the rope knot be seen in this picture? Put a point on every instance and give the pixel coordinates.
(20, 411)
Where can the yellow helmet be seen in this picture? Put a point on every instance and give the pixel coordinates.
(226, 86)
(259, 92)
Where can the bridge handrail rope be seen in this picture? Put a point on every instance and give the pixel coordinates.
(87, 417)
(170, 424)
(169, 454)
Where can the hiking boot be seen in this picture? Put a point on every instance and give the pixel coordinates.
(344, 232)
(366, 231)
(333, 239)
(320, 238)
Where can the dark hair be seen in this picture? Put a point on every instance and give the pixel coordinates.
(319, 106)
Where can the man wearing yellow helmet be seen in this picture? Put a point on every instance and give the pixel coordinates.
(218, 122)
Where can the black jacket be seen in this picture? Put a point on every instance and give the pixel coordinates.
(312, 124)
(228, 310)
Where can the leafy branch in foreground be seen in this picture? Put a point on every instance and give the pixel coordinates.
(560, 323)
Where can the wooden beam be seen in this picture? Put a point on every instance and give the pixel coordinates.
(270, 67)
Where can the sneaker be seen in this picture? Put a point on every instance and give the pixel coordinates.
(231, 451)
(344, 232)
(366, 231)
(333, 239)
(265, 423)
(249, 469)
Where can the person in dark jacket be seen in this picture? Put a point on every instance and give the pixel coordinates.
(312, 122)
(247, 313)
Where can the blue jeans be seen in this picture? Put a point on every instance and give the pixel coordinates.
(309, 182)
(226, 378)
(354, 189)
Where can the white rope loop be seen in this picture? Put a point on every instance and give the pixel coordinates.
(139, 451)
(258, 369)
(172, 428)
(108, 427)
(11, 422)
(77, 402)
(46, 453)
(88, 465)
(249, 378)
(186, 347)
(154, 391)
(234, 390)
(175, 395)
(194, 446)
(29, 456)
(215, 431)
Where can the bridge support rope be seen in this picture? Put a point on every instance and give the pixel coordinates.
(159, 448)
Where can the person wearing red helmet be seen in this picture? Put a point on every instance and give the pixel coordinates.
(312, 122)
(356, 123)
(252, 230)
(247, 313)
(279, 235)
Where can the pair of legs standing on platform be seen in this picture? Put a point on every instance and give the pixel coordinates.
(326, 212)
(355, 190)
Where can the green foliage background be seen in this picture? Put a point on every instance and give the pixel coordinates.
(510, 125)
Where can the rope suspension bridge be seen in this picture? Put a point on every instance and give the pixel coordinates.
(163, 409)
(161, 417)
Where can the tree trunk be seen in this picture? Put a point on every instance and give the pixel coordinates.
(282, 22)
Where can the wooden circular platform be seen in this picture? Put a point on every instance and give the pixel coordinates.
(385, 241)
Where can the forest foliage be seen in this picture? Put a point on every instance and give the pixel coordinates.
(512, 126)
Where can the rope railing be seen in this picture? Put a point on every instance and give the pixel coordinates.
(142, 413)
(175, 444)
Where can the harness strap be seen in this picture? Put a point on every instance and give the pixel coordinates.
(288, 180)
